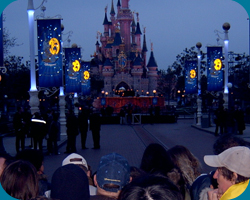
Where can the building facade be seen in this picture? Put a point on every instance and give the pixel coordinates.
(120, 57)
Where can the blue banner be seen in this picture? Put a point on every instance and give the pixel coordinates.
(49, 52)
(72, 70)
(191, 77)
(85, 81)
(1, 40)
(215, 71)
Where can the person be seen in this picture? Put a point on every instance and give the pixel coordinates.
(82, 163)
(72, 132)
(112, 175)
(240, 121)
(202, 184)
(18, 123)
(232, 172)
(5, 160)
(95, 127)
(22, 175)
(36, 158)
(69, 182)
(54, 135)
(188, 164)
(150, 186)
(156, 159)
(38, 130)
(219, 120)
(83, 126)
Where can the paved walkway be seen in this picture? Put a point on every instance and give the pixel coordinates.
(112, 138)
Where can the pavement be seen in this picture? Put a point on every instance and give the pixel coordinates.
(211, 129)
(112, 137)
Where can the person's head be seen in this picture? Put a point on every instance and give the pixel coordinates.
(155, 159)
(226, 141)
(188, 164)
(112, 175)
(151, 187)
(136, 172)
(35, 157)
(232, 166)
(76, 159)
(5, 160)
(69, 182)
(19, 179)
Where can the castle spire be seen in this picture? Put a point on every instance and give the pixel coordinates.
(112, 12)
(105, 21)
(138, 29)
(144, 47)
(118, 3)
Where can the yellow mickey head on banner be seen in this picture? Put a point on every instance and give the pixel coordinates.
(76, 65)
(54, 46)
(192, 73)
(86, 75)
(217, 64)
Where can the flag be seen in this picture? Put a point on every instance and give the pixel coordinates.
(215, 71)
(85, 80)
(191, 77)
(72, 70)
(49, 52)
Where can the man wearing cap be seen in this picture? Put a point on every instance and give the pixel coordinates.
(112, 175)
(232, 172)
(82, 163)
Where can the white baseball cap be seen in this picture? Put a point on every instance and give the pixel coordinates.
(76, 159)
(236, 159)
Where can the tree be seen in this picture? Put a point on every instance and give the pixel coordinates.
(8, 41)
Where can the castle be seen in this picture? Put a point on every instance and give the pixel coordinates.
(121, 58)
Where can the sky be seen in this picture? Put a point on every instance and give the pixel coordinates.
(171, 25)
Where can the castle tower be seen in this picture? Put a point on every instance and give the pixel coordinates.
(137, 72)
(108, 72)
(152, 72)
(106, 24)
(138, 35)
(144, 48)
(125, 17)
(113, 23)
(133, 27)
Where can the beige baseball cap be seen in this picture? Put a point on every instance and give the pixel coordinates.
(76, 159)
(236, 159)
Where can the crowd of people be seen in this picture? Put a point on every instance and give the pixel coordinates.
(163, 174)
(40, 127)
(229, 120)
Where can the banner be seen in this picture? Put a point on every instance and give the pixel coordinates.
(49, 52)
(1, 40)
(85, 81)
(72, 70)
(191, 77)
(215, 73)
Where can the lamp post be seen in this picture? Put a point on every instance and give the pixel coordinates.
(106, 93)
(34, 101)
(226, 27)
(199, 114)
(154, 92)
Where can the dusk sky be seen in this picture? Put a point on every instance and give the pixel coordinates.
(170, 25)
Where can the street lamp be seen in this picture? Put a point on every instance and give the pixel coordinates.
(226, 27)
(102, 93)
(199, 114)
(106, 93)
(154, 92)
(34, 101)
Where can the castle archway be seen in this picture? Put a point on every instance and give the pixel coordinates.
(123, 89)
